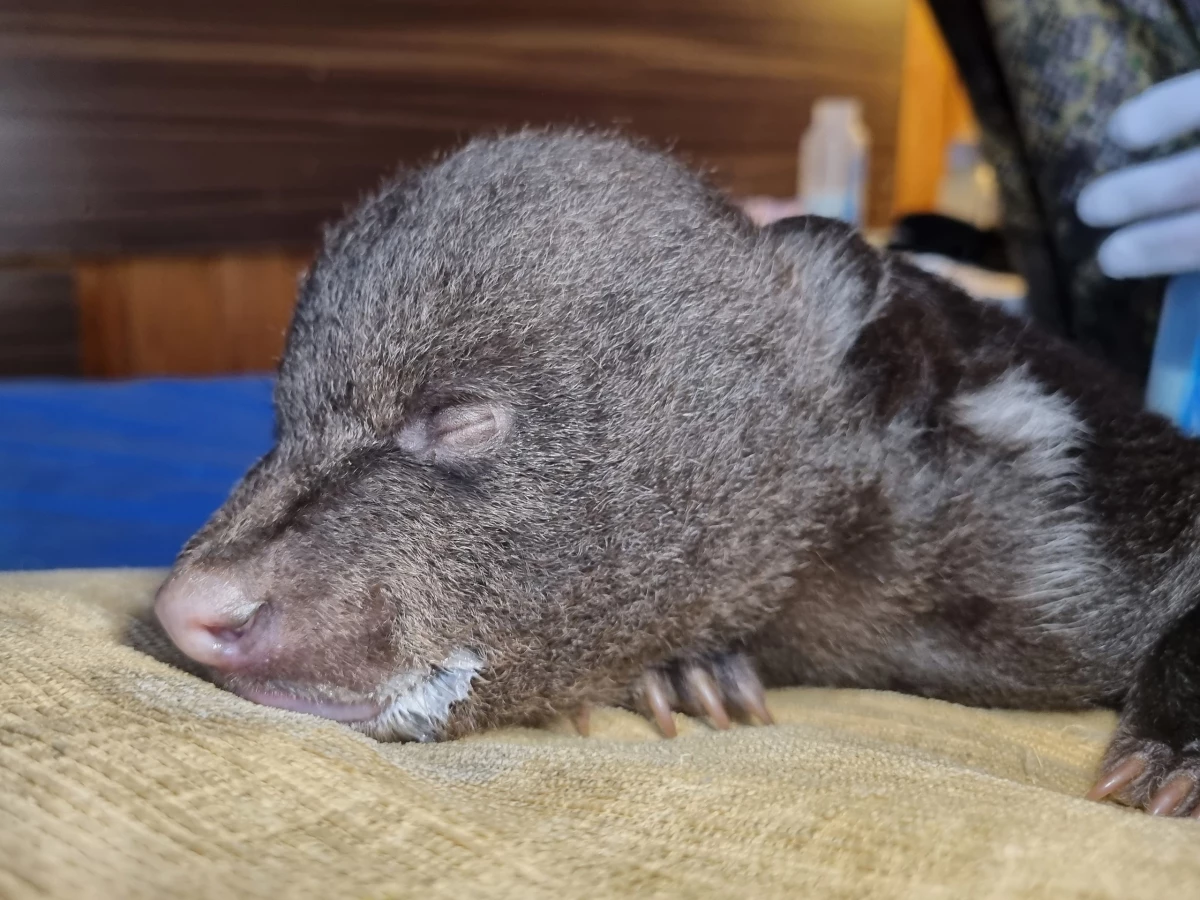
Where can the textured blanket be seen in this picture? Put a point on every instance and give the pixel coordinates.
(123, 777)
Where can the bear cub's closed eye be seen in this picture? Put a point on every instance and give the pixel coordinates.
(459, 431)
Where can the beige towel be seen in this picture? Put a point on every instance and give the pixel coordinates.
(122, 777)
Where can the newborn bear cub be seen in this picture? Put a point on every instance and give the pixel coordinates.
(557, 425)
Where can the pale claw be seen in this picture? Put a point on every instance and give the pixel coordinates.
(1119, 778)
(655, 692)
(706, 692)
(748, 690)
(1170, 795)
(583, 720)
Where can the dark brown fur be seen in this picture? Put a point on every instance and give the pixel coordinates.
(722, 438)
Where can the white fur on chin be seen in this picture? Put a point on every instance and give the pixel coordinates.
(419, 701)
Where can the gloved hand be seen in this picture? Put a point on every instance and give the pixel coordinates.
(1162, 197)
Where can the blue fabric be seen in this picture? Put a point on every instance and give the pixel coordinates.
(121, 473)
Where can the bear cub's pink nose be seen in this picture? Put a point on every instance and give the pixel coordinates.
(211, 618)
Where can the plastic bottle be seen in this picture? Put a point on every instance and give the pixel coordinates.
(967, 191)
(1174, 385)
(833, 161)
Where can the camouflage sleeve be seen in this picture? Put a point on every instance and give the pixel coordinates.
(1044, 78)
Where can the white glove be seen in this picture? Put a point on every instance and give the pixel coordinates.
(1164, 193)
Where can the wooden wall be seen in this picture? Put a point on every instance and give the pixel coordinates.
(39, 327)
(176, 160)
(139, 125)
(190, 315)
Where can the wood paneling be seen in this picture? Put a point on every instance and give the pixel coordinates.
(38, 327)
(188, 153)
(186, 316)
(132, 126)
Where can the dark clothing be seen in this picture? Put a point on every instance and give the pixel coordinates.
(1044, 78)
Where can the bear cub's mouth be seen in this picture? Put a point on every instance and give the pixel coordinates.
(412, 705)
(301, 700)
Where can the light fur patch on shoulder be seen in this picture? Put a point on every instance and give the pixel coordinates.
(1017, 412)
(1060, 566)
